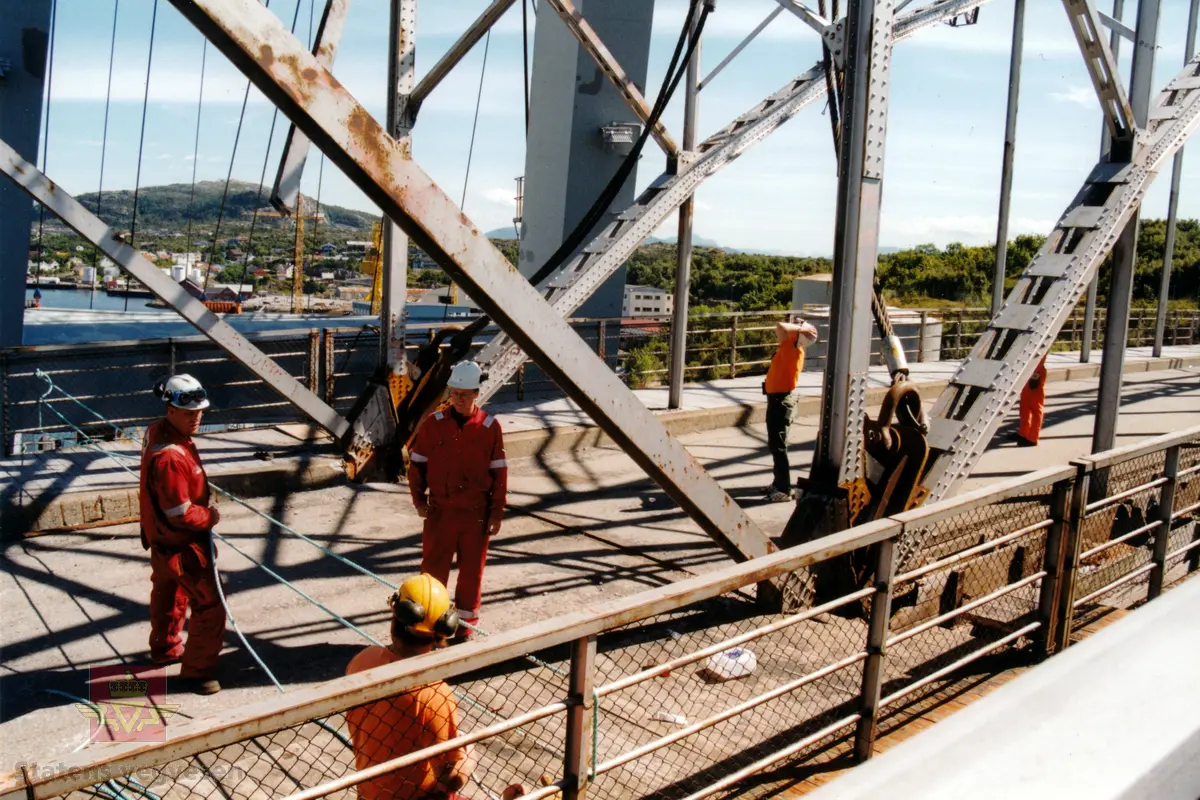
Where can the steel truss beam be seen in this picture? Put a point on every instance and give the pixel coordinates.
(295, 147)
(1102, 67)
(600, 258)
(987, 384)
(595, 47)
(98, 232)
(840, 455)
(261, 47)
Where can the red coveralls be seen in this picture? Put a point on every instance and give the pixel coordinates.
(1033, 404)
(466, 476)
(176, 525)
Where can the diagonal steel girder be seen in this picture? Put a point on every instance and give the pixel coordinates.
(595, 47)
(286, 190)
(262, 48)
(1102, 69)
(987, 384)
(99, 233)
(601, 257)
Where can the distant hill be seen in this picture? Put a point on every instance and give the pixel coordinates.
(166, 207)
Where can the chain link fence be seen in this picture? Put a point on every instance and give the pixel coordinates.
(701, 687)
(114, 378)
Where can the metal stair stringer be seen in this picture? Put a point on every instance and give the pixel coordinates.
(602, 256)
(987, 384)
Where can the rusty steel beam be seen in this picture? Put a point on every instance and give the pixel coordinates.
(286, 190)
(98, 232)
(262, 48)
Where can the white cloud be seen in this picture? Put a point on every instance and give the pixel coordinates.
(969, 228)
(1080, 95)
(499, 196)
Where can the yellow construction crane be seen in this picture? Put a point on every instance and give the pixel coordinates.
(298, 259)
(371, 264)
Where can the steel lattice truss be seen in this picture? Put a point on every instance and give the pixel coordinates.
(533, 321)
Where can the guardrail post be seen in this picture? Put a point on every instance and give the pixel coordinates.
(330, 352)
(577, 759)
(921, 337)
(1166, 507)
(314, 359)
(733, 332)
(171, 359)
(1055, 557)
(1072, 541)
(521, 382)
(877, 634)
(601, 345)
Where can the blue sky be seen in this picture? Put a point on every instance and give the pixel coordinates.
(944, 144)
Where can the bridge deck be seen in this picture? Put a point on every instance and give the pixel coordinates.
(584, 527)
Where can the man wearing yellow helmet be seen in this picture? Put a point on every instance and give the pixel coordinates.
(423, 619)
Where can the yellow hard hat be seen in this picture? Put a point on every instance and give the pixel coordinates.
(422, 607)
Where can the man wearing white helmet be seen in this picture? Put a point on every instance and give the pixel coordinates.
(459, 481)
(177, 524)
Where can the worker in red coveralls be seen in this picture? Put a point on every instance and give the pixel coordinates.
(177, 525)
(458, 480)
(1033, 407)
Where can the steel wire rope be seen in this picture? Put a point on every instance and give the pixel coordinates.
(196, 146)
(112, 53)
(37, 273)
(88, 441)
(120, 432)
(525, 60)
(487, 42)
(674, 74)
(237, 135)
(262, 181)
(137, 181)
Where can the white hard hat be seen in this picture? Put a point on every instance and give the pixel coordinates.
(465, 375)
(183, 391)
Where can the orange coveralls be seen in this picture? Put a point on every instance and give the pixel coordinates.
(1033, 404)
(397, 726)
(465, 474)
(176, 525)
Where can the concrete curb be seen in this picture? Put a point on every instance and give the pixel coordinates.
(118, 504)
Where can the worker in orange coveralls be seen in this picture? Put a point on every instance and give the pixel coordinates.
(782, 378)
(1033, 407)
(177, 525)
(458, 481)
(423, 620)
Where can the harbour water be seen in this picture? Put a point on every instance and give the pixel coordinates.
(96, 300)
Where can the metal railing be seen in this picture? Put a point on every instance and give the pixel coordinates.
(635, 697)
(336, 363)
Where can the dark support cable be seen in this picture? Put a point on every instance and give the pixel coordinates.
(112, 53)
(196, 146)
(525, 58)
(37, 273)
(137, 181)
(262, 181)
(487, 41)
(674, 74)
(237, 135)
